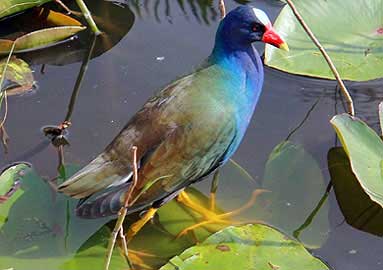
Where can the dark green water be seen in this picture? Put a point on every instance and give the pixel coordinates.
(155, 42)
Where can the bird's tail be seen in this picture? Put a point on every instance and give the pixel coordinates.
(105, 204)
(97, 175)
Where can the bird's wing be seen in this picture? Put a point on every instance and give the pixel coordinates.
(169, 156)
(182, 134)
(146, 130)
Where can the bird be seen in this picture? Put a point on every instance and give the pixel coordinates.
(187, 130)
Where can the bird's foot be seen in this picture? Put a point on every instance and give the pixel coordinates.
(138, 259)
(210, 216)
(136, 227)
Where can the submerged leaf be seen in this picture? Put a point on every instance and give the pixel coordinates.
(248, 247)
(350, 31)
(291, 173)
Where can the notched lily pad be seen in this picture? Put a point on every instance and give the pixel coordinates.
(351, 33)
(364, 148)
(248, 247)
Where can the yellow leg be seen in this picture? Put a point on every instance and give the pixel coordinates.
(212, 217)
(137, 226)
(213, 190)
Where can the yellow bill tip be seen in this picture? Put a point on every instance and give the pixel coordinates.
(284, 47)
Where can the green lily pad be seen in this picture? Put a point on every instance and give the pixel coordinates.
(351, 32)
(18, 76)
(364, 148)
(9, 189)
(10, 7)
(39, 39)
(48, 229)
(247, 247)
(358, 209)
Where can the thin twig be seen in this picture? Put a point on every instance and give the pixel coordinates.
(222, 8)
(122, 215)
(5, 98)
(350, 104)
(88, 17)
(4, 138)
(60, 3)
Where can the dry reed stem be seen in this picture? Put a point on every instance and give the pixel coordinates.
(350, 104)
(118, 229)
(222, 8)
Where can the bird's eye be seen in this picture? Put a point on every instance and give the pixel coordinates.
(257, 27)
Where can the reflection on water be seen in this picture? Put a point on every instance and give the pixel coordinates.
(147, 44)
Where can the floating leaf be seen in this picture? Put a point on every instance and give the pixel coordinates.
(39, 39)
(48, 233)
(18, 76)
(248, 247)
(364, 148)
(10, 7)
(359, 210)
(114, 19)
(53, 18)
(350, 31)
(9, 191)
(92, 254)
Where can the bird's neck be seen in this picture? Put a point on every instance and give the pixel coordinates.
(243, 58)
(243, 62)
(245, 68)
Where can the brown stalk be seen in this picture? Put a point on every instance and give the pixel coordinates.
(118, 228)
(222, 8)
(350, 104)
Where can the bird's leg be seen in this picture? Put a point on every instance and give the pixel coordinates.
(211, 217)
(213, 190)
(137, 226)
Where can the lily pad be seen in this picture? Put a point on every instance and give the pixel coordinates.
(364, 148)
(247, 247)
(358, 209)
(10, 7)
(49, 229)
(351, 32)
(9, 189)
(18, 76)
(290, 174)
(39, 39)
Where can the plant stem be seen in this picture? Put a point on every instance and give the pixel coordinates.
(88, 17)
(80, 77)
(122, 215)
(350, 104)
(312, 215)
(381, 116)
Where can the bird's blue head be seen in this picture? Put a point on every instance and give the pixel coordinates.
(245, 25)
